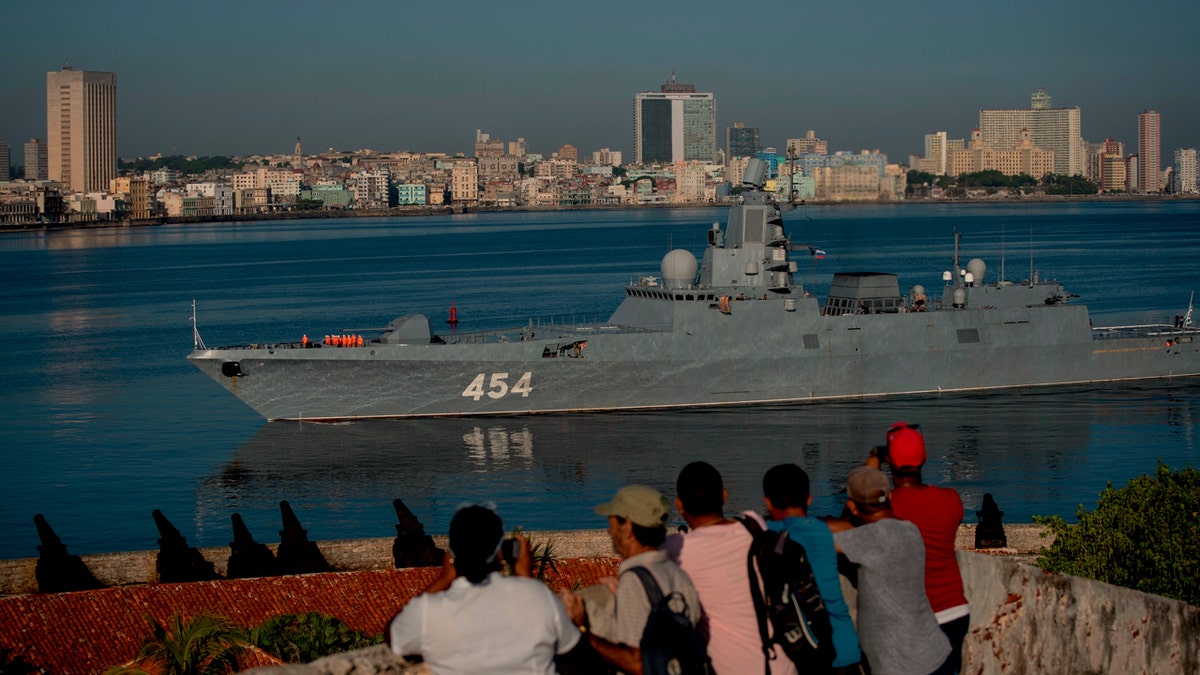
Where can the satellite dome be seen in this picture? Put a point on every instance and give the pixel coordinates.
(679, 268)
(977, 268)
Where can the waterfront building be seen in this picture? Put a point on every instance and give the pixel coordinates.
(464, 182)
(569, 153)
(1022, 158)
(411, 194)
(1132, 173)
(1055, 129)
(486, 146)
(606, 157)
(936, 159)
(1149, 151)
(1113, 177)
(810, 144)
(220, 194)
(674, 124)
(5, 162)
(36, 163)
(741, 141)
(81, 128)
(735, 168)
(1185, 171)
(1100, 157)
(771, 158)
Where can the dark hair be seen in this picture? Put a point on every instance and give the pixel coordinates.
(786, 485)
(648, 536)
(475, 534)
(700, 489)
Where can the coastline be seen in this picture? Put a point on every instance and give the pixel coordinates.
(417, 212)
(131, 568)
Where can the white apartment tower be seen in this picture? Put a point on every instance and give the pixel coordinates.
(1149, 152)
(1185, 171)
(81, 128)
(1055, 129)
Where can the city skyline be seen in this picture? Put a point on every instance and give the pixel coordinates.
(228, 79)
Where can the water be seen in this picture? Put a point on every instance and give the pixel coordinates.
(103, 420)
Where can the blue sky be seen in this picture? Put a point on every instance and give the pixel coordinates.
(211, 78)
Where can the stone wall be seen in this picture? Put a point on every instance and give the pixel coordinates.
(1024, 620)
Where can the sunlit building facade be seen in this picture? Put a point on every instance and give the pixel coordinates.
(674, 124)
(81, 128)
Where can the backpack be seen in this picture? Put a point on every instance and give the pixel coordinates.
(670, 644)
(789, 600)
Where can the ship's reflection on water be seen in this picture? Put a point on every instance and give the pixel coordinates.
(1036, 452)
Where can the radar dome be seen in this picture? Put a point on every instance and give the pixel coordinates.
(977, 268)
(679, 269)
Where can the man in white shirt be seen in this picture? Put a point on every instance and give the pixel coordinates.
(473, 619)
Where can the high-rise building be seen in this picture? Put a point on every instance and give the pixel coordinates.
(36, 166)
(5, 161)
(741, 141)
(81, 128)
(810, 144)
(674, 124)
(1055, 129)
(1185, 171)
(1149, 152)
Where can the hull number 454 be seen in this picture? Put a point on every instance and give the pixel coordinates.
(495, 385)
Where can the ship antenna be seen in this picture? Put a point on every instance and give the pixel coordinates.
(197, 343)
(1187, 318)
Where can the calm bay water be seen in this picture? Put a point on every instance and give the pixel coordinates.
(103, 420)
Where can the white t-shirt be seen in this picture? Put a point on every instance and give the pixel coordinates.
(503, 625)
(714, 557)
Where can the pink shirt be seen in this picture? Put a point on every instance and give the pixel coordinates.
(715, 558)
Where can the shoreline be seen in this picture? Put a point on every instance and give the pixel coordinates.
(132, 568)
(417, 212)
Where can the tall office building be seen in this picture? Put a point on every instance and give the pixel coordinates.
(81, 128)
(1149, 152)
(741, 141)
(35, 160)
(1054, 129)
(5, 168)
(674, 124)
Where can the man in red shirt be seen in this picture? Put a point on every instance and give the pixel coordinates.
(937, 512)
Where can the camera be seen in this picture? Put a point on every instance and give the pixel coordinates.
(881, 452)
(509, 549)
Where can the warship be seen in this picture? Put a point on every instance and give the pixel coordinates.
(734, 328)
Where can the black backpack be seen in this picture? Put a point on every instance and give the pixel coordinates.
(789, 600)
(670, 644)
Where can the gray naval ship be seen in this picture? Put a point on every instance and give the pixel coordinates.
(732, 329)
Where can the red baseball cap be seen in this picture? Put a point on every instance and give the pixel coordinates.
(906, 445)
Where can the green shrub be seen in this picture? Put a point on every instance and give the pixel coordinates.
(1144, 536)
(301, 638)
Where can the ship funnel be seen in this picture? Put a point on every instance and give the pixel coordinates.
(679, 269)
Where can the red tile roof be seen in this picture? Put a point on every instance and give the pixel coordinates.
(87, 631)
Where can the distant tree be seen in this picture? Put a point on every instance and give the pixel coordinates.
(301, 638)
(1144, 536)
(1058, 184)
(619, 172)
(916, 178)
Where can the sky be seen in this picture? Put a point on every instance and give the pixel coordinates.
(242, 78)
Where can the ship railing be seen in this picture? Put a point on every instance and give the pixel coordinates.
(1149, 330)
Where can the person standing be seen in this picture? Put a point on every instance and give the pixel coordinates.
(637, 525)
(896, 627)
(714, 554)
(937, 512)
(787, 497)
(472, 619)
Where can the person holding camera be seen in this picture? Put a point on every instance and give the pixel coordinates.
(472, 619)
(937, 512)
